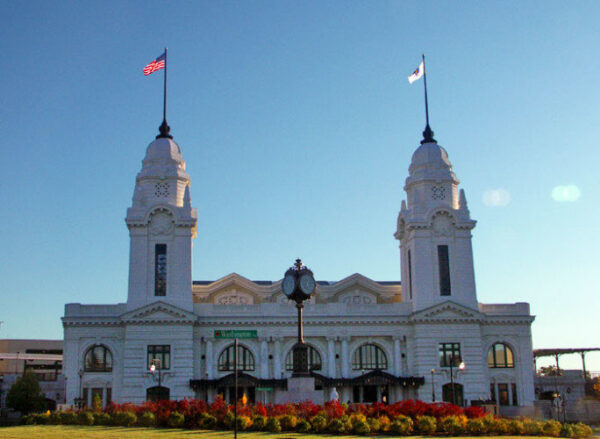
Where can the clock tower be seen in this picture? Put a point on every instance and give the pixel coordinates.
(162, 225)
(434, 229)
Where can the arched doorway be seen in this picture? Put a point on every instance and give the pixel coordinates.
(157, 393)
(458, 394)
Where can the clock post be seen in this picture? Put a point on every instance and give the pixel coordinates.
(299, 285)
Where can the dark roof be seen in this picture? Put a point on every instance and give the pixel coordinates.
(560, 351)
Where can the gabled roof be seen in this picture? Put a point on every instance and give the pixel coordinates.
(447, 312)
(158, 312)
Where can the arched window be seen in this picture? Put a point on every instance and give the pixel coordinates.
(500, 356)
(369, 357)
(98, 359)
(245, 359)
(314, 359)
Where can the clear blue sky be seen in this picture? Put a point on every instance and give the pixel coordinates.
(297, 124)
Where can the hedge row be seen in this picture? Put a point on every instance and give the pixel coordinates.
(355, 423)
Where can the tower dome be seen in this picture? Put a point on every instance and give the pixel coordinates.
(430, 161)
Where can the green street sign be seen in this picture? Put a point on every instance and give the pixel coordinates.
(264, 389)
(236, 333)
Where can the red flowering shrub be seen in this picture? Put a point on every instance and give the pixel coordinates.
(474, 412)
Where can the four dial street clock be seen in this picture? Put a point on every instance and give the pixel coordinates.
(299, 285)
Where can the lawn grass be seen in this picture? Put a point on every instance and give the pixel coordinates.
(77, 432)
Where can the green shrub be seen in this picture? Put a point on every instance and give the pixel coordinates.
(374, 425)
(581, 430)
(259, 422)
(402, 425)
(175, 420)
(123, 419)
(336, 426)
(426, 425)
(319, 423)
(532, 427)
(384, 423)
(476, 427)
(244, 422)
(68, 418)
(361, 428)
(228, 420)
(551, 428)
(452, 425)
(147, 419)
(54, 418)
(209, 422)
(288, 422)
(303, 426)
(567, 430)
(40, 418)
(101, 419)
(85, 418)
(273, 425)
(27, 420)
(516, 427)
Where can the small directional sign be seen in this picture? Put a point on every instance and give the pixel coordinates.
(264, 389)
(236, 333)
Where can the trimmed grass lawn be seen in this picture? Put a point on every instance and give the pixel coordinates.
(76, 432)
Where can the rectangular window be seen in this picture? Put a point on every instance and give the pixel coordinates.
(160, 356)
(444, 269)
(160, 270)
(409, 275)
(108, 395)
(449, 354)
(493, 392)
(513, 388)
(503, 393)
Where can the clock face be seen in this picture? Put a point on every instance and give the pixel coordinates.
(307, 284)
(288, 284)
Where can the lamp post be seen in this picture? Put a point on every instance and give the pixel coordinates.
(79, 400)
(461, 366)
(299, 285)
(432, 386)
(156, 369)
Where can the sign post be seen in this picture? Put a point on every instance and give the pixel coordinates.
(235, 334)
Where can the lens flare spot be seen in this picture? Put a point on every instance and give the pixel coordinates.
(567, 193)
(496, 197)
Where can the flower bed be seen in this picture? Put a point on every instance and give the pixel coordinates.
(399, 419)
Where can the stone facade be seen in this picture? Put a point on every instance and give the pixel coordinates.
(370, 340)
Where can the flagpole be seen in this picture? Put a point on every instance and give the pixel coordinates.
(424, 86)
(428, 133)
(164, 127)
(165, 90)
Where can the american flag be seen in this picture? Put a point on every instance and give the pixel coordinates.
(157, 64)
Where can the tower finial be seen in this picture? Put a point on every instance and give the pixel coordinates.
(428, 135)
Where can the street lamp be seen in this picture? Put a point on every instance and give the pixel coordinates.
(461, 367)
(299, 285)
(432, 386)
(79, 401)
(156, 369)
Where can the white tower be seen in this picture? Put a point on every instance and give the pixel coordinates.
(434, 230)
(162, 225)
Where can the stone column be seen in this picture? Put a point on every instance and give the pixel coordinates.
(208, 362)
(331, 356)
(264, 359)
(345, 358)
(397, 357)
(277, 359)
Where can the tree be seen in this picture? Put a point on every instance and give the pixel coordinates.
(25, 395)
(550, 371)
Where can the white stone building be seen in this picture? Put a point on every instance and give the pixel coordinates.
(370, 340)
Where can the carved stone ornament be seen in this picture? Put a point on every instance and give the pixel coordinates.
(442, 225)
(161, 223)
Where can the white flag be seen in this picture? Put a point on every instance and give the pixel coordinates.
(417, 73)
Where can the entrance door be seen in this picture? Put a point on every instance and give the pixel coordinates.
(447, 395)
(157, 393)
